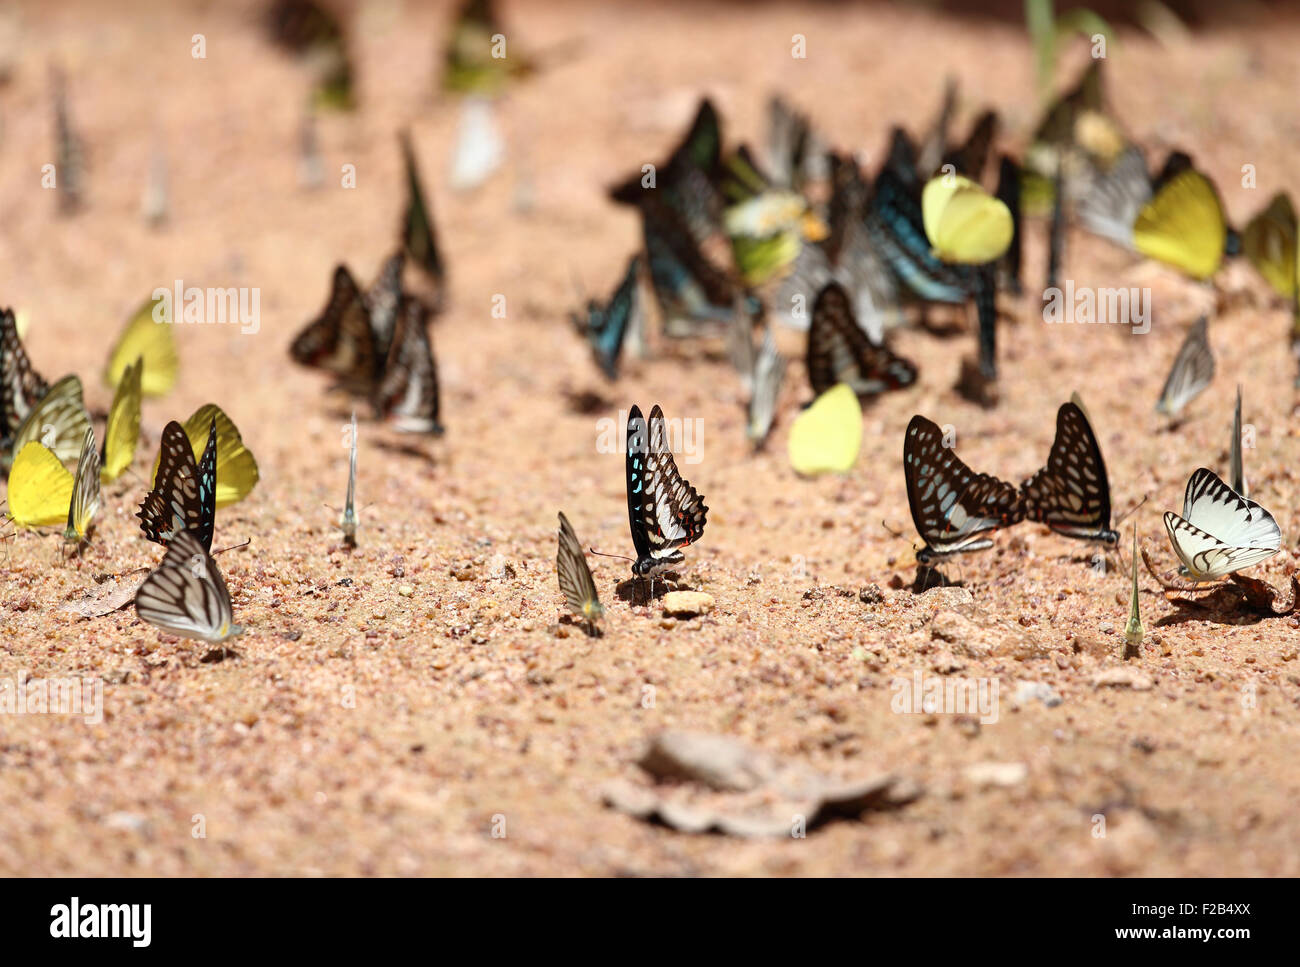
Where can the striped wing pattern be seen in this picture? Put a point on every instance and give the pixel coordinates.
(85, 491)
(1071, 494)
(840, 352)
(184, 497)
(574, 576)
(1112, 198)
(186, 595)
(1220, 531)
(1191, 373)
(21, 387)
(340, 340)
(951, 504)
(59, 420)
(407, 397)
(769, 373)
(664, 511)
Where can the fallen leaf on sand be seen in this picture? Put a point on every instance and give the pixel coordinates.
(105, 598)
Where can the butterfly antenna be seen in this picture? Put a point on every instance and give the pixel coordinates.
(232, 547)
(889, 530)
(1124, 516)
(619, 556)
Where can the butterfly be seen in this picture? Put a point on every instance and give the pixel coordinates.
(1133, 631)
(383, 300)
(407, 396)
(571, 570)
(71, 162)
(59, 421)
(793, 154)
(896, 226)
(964, 223)
(1008, 192)
(971, 156)
(769, 372)
(186, 595)
(341, 340)
(918, 162)
(839, 351)
(1112, 197)
(419, 235)
(689, 173)
(145, 338)
(606, 326)
(664, 511)
(122, 432)
(184, 496)
(1071, 494)
(348, 522)
(1237, 465)
(1220, 531)
(84, 501)
(1192, 371)
(690, 289)
(40, 488)
(951, 504)
(237, 472)
(826, 437)
(473, 63)
(767, 224)
(21, 387)
(1269, 241)
(1183, 225)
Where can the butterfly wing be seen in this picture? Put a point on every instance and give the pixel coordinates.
(769, 372)
(21, 387)
(1113, 197)
(688, 286)
(122, 432)
(186, 595)
(573, 574)
(897, 229)
(408, 394)
(839, 351)
(183, 496)
(236, 467)
(1191, 373)
(419, 236)
(1237, 521)
(40, 488)
(85, 491)
(383, 300)
(59, 421)
(826, 437)
(1183, 225)
(340, 340)
(965, 224)
(1269, 241)
(665, 511)
(951, 505)
(607, 325)
(154, 342)
(1071, 494)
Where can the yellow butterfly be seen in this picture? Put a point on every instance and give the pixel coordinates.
(40, 488)
(1183, 225)
(965, 224)
(144, 338)
(826, 437)
(85, 492)
(122, 432)
(59, 421)
(1269, 241)
(237, 473)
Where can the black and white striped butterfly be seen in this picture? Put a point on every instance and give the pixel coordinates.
(952, 506)
(840, 352)
(571, 570)
(187, 595)
(1220, 531)
(1192, 371)
(407, 396)
(21, 387)
(1071, 494)
(1113, 197)
(765, 390)
(664, 511)
(85, 492)
(184, 495)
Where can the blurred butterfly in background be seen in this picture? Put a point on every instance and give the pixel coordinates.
(186, 595)
(964, 223)
(1071, 494)
(59, 421)
(765, 390)
(236, 467)
(69, 151)
(340, 340)
(689, 288)
(1183, 225)
(122, 432)
(1113, 197)
(1220, 531)
(470, 64)
(1269, 242)
(348, 520)
(184, 492)
(839, 351)
(40, 488)
(914, 163)
(84, 501)
(768, 225)
(826, 437)
(419, 235)
(1191, 373)
(1008, 192)
(794, 153)
(971, 157)
(407, 396)
(606, 326)
(21, 387)
(664, 511)
(952, 506)
(154, 342)
(574, 576)
(1237, 469)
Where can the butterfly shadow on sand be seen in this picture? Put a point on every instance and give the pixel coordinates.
(643, 590)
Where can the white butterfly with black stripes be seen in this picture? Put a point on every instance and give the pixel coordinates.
(187, 595)
(1220, 531)
(1191, 373)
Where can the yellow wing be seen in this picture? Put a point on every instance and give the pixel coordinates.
(123, 430)
(143, 338)
(59, 421)
(825, 437)
(1183, 225)
(964, 223)
(237, 473)
(40, 488)
(1269, 241)
(85, 491)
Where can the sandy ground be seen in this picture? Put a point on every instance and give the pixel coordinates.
(362, 731)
